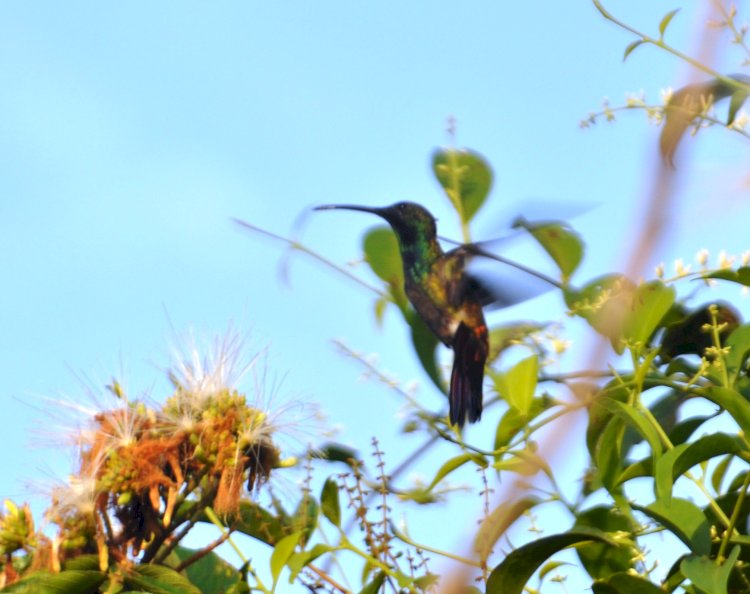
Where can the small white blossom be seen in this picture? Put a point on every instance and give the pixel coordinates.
(741, 120)
(725, 261)
(702, 257)
(560, 345)
(635, 99)
(680, 268)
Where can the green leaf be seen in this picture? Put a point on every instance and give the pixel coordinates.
(425, 345)
(706, 574)
(663, 473)
(525, 462)
(608, 453)
(682, 431)
(454, 463)
(625, 583)
(740, 276)
(90, 562)
(511, 575)
(631, 47)
(466, 178)
(674, 578)
(513, 421)
(336, 452)
(381, 303)
(381, 251)
(428, 581)
(621, 311)
(602, 303)
(732, 402)
(517, 385)
(329, 502)
(637, 420)
(685, 520)
(298, 561)
(563, 245)
(497, 522)
(210, 573)
(707, 447)
(281, 554)
(717, 476)
(736, 483)
(644, 467)
(666, 20)
(551, 566)
(259, 523)
(738, 343)
(735, 103)
(741, 539)
(374, 585)
(158, 579)
(77, 581)
(665, 409)
(599, 559)
(683, 366)
(599, 415)
(305, 518)
(651, 302)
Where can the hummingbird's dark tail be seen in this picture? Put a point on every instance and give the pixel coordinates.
(470, 347)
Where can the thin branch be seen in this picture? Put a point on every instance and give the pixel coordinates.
(327, 578)
(203, 552)
(295, 245)
(704, 117)
(660, 43)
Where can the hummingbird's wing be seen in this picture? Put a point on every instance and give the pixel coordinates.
(504, 286)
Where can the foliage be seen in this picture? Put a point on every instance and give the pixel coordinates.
(150, 474)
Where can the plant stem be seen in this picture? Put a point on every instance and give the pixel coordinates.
(660, 43)
(404, 538)
(739, 37)
(669, 446)
(295, 245)
(660, 108)
(211, 514)
(386, 569)
(325, 577)
(198, 555)
(733, 519)
(716, 338)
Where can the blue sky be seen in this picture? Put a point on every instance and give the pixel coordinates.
(131, 134)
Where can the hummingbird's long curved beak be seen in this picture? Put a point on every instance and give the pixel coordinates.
(370, 209)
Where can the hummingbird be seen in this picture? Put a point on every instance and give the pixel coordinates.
(445, 295)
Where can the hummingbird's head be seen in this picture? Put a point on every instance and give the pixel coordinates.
(409, 220)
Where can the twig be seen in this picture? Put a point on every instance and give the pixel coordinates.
(203, 552)
(295, 245)
(327, 578)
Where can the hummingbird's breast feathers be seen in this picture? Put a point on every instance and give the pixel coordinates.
(436, 289)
